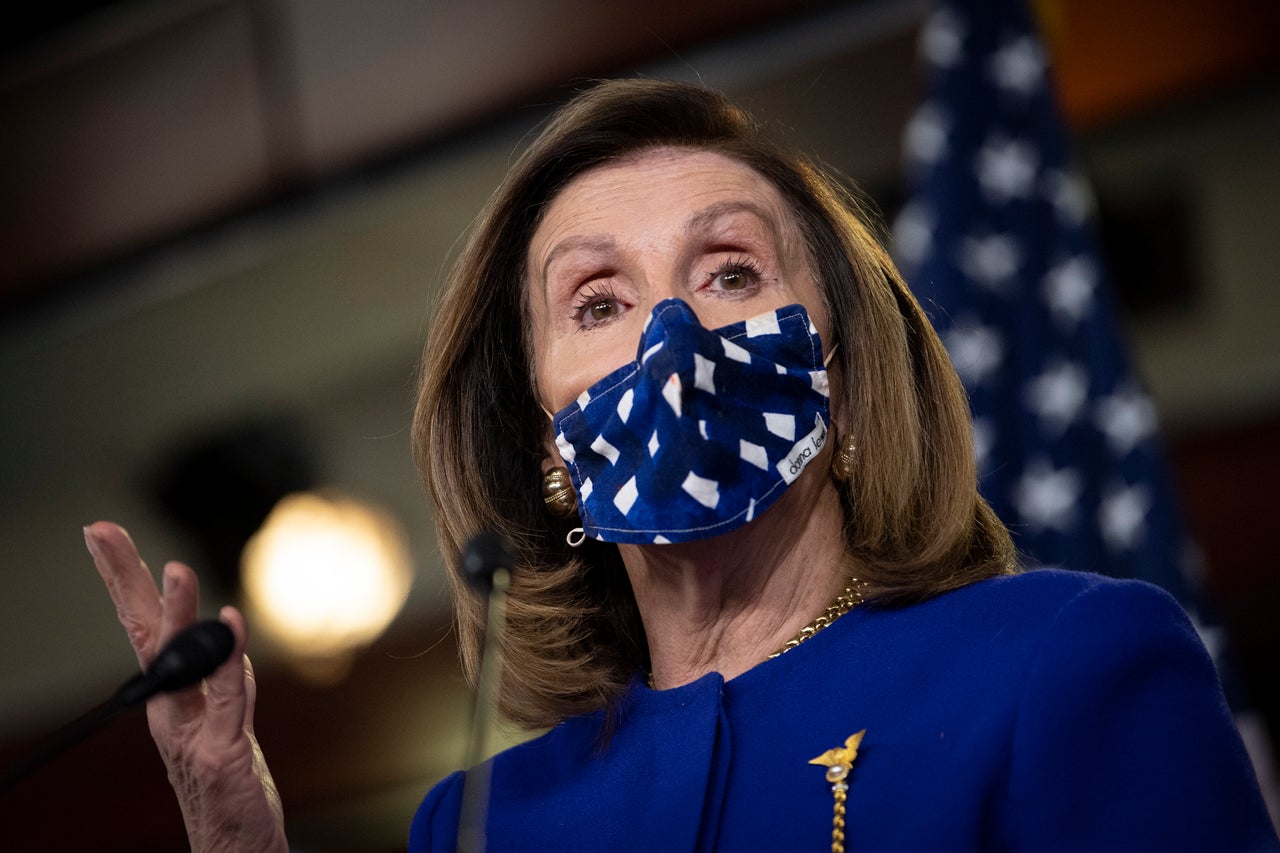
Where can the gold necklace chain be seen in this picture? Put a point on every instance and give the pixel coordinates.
(849, 598)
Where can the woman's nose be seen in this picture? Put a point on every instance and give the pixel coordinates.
(670, 285)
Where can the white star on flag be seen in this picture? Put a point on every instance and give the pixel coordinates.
(1058, 394)
(1046, 497)
(1068, 290)
(1018, 66)
(1213, 637)
(984, 441)
(996, 239)
(926, 136)
(912, 234)
(1069, 195)
(941, 38)
(1006, 168)
(1127, 418)
(976, 351)
(990, 261)
(1122, 515)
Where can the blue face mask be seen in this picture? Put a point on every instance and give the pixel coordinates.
(702, 432)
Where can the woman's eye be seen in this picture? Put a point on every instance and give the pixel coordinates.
(599, 309)
(735, 275)
(596, 306)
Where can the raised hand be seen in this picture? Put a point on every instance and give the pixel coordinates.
(205, 733)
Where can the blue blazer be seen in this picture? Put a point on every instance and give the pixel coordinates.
(1044, 711)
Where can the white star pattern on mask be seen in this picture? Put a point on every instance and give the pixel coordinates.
(567, 453)
(702, 490)
(765, 324)
(710, 463)
(673, 393)
(605, 449)
(753, 453)
(704, 371)
(626, 496)
(781, 425)
(624, 404)
(735, 352)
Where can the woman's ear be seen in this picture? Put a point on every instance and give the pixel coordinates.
(551, 458)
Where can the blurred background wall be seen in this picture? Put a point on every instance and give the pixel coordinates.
(225, 219)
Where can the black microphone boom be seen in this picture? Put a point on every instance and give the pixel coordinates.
(193, 654)
(487, 565)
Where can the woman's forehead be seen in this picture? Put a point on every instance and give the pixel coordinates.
(688, 186)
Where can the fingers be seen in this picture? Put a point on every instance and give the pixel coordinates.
(250, 694)
(130, 585)
(181, 600)
(227, 695)
(177, 611)
(151, 620)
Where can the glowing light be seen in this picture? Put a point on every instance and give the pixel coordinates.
(325, 575)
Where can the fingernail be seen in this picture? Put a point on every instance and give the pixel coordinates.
(169, 579)
(90, 541)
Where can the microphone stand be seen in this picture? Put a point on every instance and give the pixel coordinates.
(64, 738)
(487, 566)
(190, 656)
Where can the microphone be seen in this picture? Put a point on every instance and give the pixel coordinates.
(192, 654)
(486, 565)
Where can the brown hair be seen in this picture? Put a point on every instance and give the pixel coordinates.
(915, 523)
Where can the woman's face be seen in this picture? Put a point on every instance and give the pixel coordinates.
(670, 223)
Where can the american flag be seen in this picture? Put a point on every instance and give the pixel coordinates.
(997, 242)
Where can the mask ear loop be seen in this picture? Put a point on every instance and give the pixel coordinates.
(826, 361)
(575, 537)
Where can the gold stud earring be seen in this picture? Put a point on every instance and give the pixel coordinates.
(842, 464)
(557, 493)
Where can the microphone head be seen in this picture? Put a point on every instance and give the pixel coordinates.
(484, 554)
(191, 655)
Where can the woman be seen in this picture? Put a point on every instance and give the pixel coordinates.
(773, 554)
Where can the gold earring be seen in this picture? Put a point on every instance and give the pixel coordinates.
(557, 493)
(842, 464)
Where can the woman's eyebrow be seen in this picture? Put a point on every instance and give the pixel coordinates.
(703, 219)
(594, 243)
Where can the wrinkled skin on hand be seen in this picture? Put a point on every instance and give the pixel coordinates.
(204, 733)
